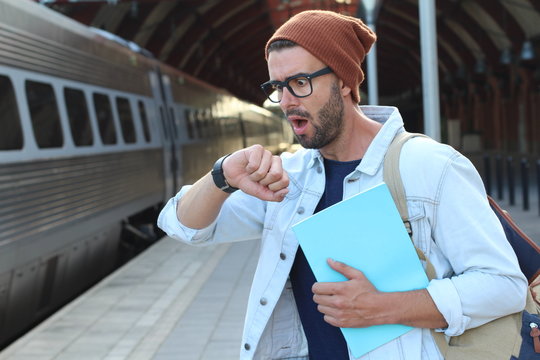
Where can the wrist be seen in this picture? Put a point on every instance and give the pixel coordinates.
(416, 309)
(382, 309)
(219, 177)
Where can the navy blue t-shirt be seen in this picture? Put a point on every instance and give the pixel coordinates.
(325, 341)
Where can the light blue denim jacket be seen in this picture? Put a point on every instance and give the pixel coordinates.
(451, 221)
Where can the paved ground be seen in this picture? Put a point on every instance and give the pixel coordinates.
(172, 302)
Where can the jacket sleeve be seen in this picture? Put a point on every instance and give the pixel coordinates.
(485, 282)
(241, 218)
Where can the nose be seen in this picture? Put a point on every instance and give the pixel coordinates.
(288, 100)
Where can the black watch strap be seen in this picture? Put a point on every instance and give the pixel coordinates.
(219, 177)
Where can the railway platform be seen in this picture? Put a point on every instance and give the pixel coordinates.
(172, 302)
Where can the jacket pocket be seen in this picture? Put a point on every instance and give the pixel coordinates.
(288, 337)
(283, 337)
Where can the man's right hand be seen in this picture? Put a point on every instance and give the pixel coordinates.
(257, 172)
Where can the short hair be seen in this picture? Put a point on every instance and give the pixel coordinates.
(281, 44)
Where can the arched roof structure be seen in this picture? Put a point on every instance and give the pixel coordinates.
(222, 41)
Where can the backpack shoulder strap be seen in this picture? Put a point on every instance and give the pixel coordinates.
(392, 178)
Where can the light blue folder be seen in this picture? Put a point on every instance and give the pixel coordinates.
(365, 232)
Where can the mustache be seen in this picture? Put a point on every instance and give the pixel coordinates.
(298, 112)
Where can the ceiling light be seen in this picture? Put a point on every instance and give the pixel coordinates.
(527, 51)
(480, 66)
(506, 56)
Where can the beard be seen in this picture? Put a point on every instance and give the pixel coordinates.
(329, 124)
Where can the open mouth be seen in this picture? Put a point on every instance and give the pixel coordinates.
(299, 125)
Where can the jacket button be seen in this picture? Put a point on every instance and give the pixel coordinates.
(282, 256)
(352, 180)
(247, 346)
(319, 170)
(263, 301)
(300, 210)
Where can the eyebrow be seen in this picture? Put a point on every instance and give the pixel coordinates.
(291, 76)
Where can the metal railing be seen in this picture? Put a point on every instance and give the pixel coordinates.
(504, 174)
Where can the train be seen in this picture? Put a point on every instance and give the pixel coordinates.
(96, 134)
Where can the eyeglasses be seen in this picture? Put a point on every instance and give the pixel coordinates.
(298, 85)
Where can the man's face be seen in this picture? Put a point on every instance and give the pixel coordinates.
(317, 120)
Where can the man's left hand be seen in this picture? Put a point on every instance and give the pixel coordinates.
(351, 303)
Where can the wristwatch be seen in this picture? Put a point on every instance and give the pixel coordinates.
(219, 177)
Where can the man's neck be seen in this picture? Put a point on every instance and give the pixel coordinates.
(357, 134)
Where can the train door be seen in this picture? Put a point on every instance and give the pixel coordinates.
(167, 142)
(173, 116)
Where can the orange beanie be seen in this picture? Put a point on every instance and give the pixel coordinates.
(340, 41)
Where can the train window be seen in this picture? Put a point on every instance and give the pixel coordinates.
(199, 124)
(194, 125)
(249, 128)
(231, 126)
(218, 125)
(254, 128)
(208, 125)
(44, 114)
(163, 124)
(205, 124)
(211, 121)
(126, 119)
(144, 119)
(215, 126)
(173, 123)
(79, 120)
(189, 122)
(11, 135)
(225, 126)
(104, 117)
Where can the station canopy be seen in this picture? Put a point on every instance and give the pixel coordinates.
(222, 41)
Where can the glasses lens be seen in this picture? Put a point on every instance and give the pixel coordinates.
(301, 86)
(271, 91)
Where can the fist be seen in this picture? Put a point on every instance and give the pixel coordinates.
(257, 172)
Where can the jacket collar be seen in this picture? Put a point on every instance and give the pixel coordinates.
(373, 159)
(392, 122)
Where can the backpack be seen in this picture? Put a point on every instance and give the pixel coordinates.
(512, 337)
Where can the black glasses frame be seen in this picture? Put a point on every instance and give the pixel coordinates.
(274, 84)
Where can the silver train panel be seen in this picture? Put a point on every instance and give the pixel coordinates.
(40, 284)
(58, 192)
(60, 229)
(46, 46)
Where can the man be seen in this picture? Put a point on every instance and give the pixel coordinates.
(314, 63)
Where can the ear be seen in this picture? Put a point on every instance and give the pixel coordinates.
(345, 90)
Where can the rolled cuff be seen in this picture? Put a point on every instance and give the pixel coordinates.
(446, 298)
(169, 223)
